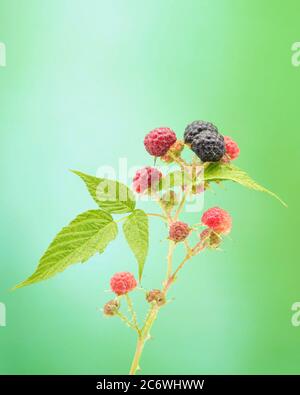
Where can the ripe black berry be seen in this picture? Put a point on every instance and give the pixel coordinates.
(209, 146)
(195, 128)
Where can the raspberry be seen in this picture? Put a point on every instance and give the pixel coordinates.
(231, 148)
(210, 238)
(156, 296)
(175, 150)
(159, 140)
(217, 219)
(111, 308)
(209, 146)
(195, 128)
(147, 177)
(178, 231)
(123, 282)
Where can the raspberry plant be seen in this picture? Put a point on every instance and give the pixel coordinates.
(92, 231)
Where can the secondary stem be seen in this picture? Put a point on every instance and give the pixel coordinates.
(132, 312)
(158, 215)
(181, 205)
(170, 258)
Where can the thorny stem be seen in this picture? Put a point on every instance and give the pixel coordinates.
(181, 205)
(167, 214)
(182, 163)
(144, 334)
(158, 215)
(170, 257)
(132, 313)
(143, 337)
(125, 319)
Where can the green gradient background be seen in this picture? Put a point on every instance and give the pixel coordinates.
(84, 81)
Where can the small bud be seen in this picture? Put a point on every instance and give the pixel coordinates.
(156, 296)
(111, 308)
(210, 238)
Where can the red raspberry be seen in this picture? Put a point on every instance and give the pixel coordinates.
(123, 282)
(159, 140)
(146, 178)
(178, 231)
(217, 219)
(232, 150)
(210, 238)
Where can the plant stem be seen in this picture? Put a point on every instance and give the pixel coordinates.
(132, 312)
(137, 356)
(170, 258)
(143, 337)
(158, 215)
(181, 205)
(125, 319)
(144, 333)
(181, 162)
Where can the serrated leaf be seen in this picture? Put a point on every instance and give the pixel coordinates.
(219, 172)
(110, 195)
(88, 233)
(176, 178)
(136, 230)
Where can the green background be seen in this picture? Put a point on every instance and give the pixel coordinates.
(85, 80)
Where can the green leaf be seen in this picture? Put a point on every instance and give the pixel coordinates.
(222, 172)
(176, 178)
(88, 233)
(110, 195)
(136, 230)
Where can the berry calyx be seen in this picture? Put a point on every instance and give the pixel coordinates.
(158, 141)
(232, 150)
(156, 296)
(122, 283)
(210, 238)
(111, 307)
(209, 146)
(145, 178)
(178, 231)
(174, 151)
(218, 220)
(169, 200)
(193, 130)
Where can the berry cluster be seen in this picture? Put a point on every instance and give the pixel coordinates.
(204, 139)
